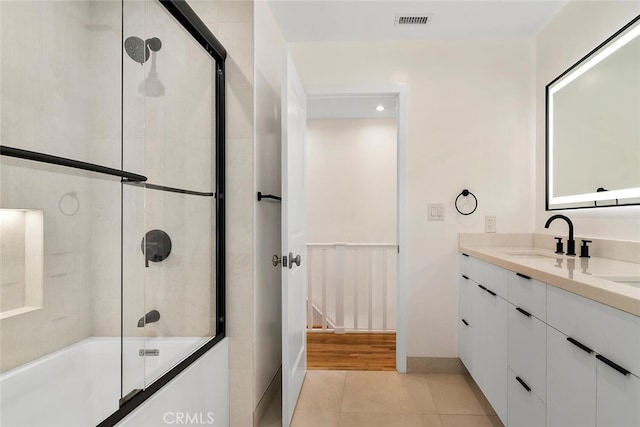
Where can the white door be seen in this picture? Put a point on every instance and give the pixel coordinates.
(294, 273)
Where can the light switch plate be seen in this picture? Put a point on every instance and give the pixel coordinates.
(435, 212)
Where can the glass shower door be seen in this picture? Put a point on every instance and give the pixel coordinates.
(169, 305)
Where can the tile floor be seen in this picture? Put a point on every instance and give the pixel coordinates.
(387, 399)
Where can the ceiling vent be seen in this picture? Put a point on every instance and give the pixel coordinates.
(412, 19)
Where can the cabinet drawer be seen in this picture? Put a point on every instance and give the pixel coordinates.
(463, 264)
(610, 332)
(618, 397)
(465, 345)
(525, 408)
(464, 299)
(571, 383)
(494, 278)
(528, 294)
(528, 350)
(472, 267)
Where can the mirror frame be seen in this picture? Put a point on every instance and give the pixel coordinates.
(602, 51)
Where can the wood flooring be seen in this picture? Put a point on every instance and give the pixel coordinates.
(352, 351)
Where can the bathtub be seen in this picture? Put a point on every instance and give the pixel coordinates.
(80, 384)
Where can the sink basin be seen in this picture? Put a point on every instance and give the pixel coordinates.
(626, 280)
(529, 255)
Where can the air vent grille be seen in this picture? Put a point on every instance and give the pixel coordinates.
(412, 19)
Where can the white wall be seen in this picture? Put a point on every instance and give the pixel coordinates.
(470, 125)
(351, 181)
(268, 45)
(575, 31)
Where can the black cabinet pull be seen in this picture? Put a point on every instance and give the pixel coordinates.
(523, 312)
(465, 277)
(491, 292)
(482, 287)
(579, 345)
(523, 384)
(464, 254)
(612, 364)
(523, 276)
(465, 322)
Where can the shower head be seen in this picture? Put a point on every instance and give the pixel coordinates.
(139, 50)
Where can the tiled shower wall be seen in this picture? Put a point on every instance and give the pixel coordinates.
(64, 98)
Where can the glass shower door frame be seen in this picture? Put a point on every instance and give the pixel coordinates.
(190, 21)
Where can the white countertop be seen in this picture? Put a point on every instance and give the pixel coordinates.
(571, 273)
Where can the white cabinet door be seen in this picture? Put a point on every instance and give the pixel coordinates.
(528, 349)
(571, 383)
(496, 339)
(465, 348)
(489, 333)
(618, 398)
(525, 408)
(478, 336)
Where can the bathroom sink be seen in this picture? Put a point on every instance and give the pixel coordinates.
(529, 255)
(626, 280)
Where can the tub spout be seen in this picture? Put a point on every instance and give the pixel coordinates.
(150, 317)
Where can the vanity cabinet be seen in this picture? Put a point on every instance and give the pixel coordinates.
(465, 347)
(571, 382)
(525, 407)
(483, 334)
(617, 397)
(545, 356)
(594, 352)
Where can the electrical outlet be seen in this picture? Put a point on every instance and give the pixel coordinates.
(490, 224)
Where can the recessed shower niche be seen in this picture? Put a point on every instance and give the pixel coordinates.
(21, 261)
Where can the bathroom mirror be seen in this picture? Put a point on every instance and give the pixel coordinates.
(593, 127)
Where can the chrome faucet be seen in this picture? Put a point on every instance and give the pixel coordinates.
(571, 244)
(150, 317)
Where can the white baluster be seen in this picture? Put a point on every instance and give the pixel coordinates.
(370, 290)
(324, 289)
(310, 259)
(384, 289)
(339, 289)
(356, 283)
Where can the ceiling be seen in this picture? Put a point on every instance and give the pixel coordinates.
(351, 107)
(364, 20)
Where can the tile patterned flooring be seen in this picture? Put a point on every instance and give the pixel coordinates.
(387, 399)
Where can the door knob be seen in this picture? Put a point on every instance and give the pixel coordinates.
(297, 260)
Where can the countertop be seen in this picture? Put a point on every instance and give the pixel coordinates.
(571, 273)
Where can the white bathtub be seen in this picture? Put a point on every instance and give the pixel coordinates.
(80, 384)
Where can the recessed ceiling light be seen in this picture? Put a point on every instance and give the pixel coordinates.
(380, 108)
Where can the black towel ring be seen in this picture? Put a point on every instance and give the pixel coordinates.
(465, 193)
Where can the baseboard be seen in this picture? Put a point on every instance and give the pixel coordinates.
(267, 397)
(435, 365)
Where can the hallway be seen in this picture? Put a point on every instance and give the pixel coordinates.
(387, 399)
(351, 352)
